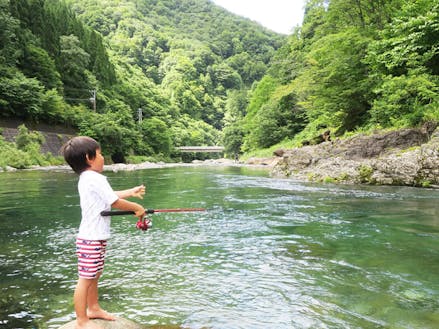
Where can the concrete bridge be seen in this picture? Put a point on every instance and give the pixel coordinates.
(208, 149)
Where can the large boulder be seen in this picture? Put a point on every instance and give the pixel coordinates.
(405, 157)
(120, 323)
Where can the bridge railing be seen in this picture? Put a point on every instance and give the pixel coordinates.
(208, 149)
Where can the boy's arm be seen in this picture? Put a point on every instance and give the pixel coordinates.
(137, 192)
(122, 204)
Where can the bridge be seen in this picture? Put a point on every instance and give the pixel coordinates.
(208, 149)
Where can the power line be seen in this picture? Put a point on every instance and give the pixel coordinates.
(91, 99)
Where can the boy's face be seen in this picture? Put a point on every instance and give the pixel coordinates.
(96, 164)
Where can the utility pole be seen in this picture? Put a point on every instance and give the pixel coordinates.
(93, 98)
(139, 115)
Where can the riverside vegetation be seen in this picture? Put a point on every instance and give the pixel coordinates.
(202, 76)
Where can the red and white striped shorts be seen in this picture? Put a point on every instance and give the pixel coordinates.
(91, 256)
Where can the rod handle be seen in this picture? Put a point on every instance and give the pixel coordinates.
(122, 212)
(148, 211)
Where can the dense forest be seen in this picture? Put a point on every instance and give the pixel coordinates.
(199, 75)
(96, 67)
(353, 66)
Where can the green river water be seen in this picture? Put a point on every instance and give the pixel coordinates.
(267, 253)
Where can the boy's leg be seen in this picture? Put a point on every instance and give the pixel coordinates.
(80, 301)
(91, 255)
(94, 309)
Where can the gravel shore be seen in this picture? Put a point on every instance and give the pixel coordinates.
(152, 165)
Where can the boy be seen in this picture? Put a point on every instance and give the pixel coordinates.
(83, 154)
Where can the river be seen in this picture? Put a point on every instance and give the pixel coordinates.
(267, 253)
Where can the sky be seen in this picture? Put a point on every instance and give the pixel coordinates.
(277, 15)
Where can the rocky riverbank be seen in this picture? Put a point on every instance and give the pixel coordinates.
(408, 157)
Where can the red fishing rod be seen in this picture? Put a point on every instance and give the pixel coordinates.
(145, 223)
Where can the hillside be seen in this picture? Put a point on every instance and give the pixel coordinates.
(352, 67)
(95, 67)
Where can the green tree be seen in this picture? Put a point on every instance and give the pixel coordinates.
(112, 131)
(248, 69)
(235, 107)
(340, 87)
(20, 97)
(55, 109)
(278, 119)
(73, 63)
(157, 135)
(410, 42)
(363, 14)
(37, 63)
(9, 45)
(233, 137)
(406, 101)
(224, 75)
(404, 65)
(261, 95)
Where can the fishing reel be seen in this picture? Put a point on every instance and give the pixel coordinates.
(144, 224)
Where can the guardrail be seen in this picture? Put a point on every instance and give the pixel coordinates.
(208, 149)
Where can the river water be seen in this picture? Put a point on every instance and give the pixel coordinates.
(267, 253)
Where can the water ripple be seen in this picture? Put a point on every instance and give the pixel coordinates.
(268, 253)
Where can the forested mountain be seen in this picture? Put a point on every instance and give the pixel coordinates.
(194, 51)
(177, 61)
(202, 76)
(353, 65)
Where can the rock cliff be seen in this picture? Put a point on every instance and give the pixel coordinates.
(405, 157)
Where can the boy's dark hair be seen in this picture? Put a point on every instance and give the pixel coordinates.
(75, 152)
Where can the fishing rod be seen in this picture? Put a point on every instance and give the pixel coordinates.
(145, 223)
(148, 211)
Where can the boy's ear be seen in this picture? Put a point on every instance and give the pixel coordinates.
(89, 160)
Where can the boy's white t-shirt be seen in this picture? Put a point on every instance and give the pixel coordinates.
(95, 195)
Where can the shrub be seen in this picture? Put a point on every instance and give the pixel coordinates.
(27, 140)
(365, 172)
(13, 157)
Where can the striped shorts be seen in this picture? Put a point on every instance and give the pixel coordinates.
(91, 256)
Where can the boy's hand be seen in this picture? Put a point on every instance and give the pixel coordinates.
(123, 204)
(140, 213)
(138, 191)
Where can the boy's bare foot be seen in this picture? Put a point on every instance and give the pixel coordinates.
(87, 325)
(100, 314)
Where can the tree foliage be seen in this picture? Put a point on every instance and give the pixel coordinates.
(199, 75)
(157, 136)
(175, 61)
(353, 64)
